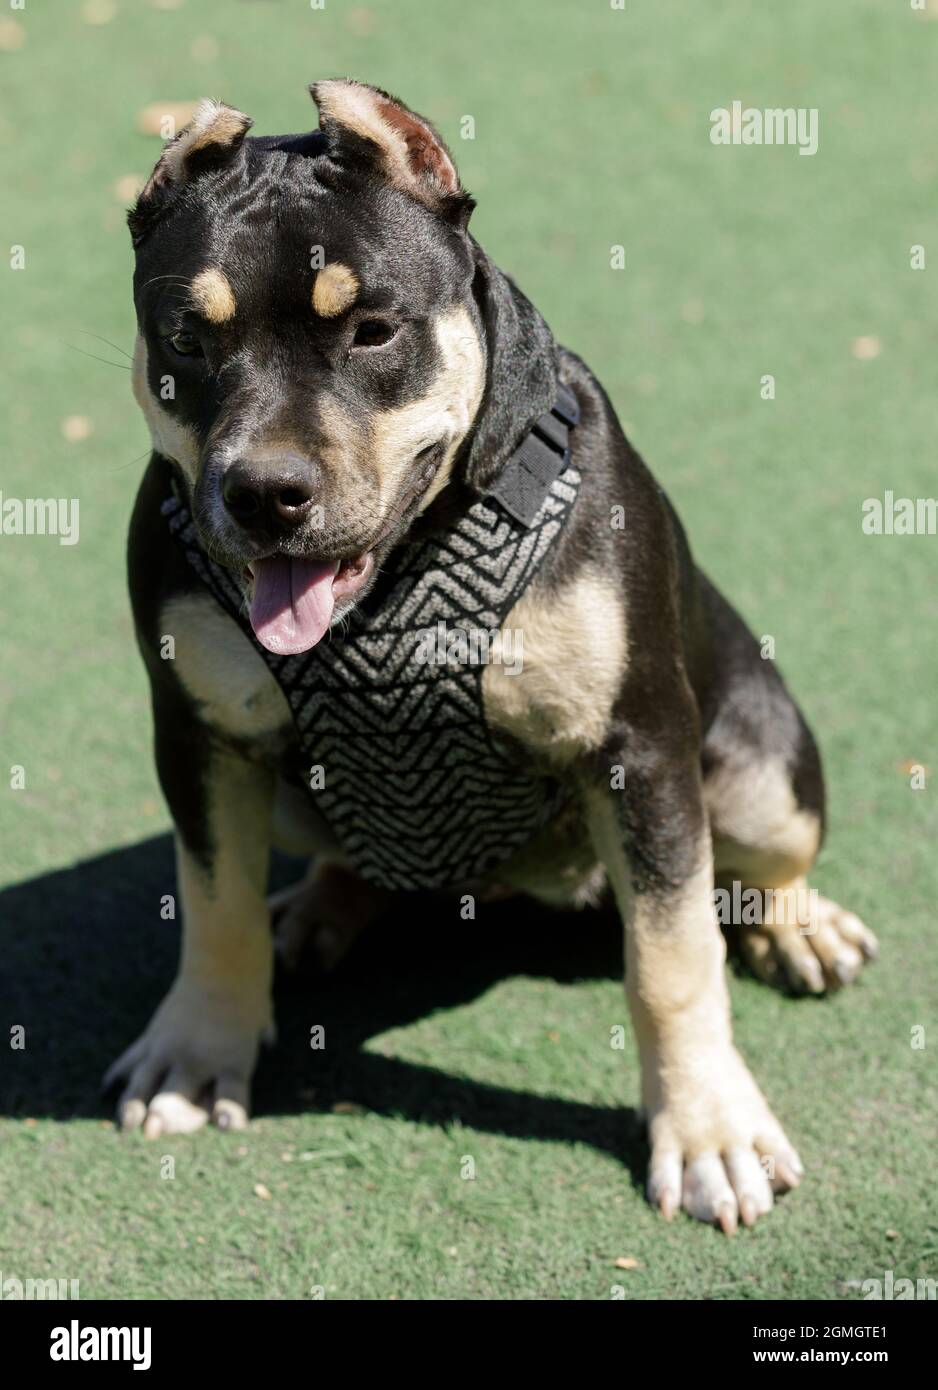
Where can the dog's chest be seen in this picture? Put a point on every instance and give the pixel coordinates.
(416, 787)
(398, 756)
(421, 792)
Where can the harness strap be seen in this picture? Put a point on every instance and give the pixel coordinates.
(539, 459)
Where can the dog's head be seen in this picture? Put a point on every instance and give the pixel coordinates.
(311, 353)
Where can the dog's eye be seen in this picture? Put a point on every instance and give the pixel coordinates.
(186, 344)
(374, 333)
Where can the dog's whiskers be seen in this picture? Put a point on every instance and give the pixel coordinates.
(121, 466)
(179, 279)
(115, 346)
(107, 362)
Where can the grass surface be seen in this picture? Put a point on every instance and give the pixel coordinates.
(491, 1040)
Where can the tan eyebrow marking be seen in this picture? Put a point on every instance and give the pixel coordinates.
(335, 289)
(211, 294)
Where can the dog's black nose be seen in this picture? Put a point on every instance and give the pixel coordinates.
(261, 494)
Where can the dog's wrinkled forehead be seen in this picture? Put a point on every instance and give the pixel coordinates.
(364, 212)
(309, 326)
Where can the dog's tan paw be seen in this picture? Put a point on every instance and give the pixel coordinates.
(824, 952)
(193, 1064)
(716, 1148)
(293, 912)
(326, 911)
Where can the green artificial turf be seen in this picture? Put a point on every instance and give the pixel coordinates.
(449, 1040)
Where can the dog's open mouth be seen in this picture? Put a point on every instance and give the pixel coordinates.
(294, 600)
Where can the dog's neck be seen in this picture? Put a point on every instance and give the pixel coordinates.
(521, 374)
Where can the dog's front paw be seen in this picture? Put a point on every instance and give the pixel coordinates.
(824, 951)
(716, 1148)
(193, 1063)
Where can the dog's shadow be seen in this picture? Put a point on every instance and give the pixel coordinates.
(88, 952)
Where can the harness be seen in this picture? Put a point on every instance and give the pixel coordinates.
(419, 792)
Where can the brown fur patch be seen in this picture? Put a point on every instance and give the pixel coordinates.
(412, 155)
(446, 412)
(761, 835)
(223, 128)
(424, 150)
(171, 437)
(235, 691)
(212, 124)
(212, 296)
(573, 647)
(335, 290)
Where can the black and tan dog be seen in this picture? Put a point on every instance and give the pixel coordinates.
(368, 453)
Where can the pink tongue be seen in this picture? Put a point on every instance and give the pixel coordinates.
(292, 604)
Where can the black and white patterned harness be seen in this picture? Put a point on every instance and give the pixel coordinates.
(419, 792)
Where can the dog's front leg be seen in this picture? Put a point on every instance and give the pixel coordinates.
(195, 1059)
(716, 1147)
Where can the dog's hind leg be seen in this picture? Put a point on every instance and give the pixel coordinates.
(764, 792)
(764, 845)
(326, 911)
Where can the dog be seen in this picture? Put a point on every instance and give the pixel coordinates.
(367, 450)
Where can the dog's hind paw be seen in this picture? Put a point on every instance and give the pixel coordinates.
(824, 950)
(326, 912)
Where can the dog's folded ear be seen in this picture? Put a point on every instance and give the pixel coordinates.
(364, 123)
(211, 139)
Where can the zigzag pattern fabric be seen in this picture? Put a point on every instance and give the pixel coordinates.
(418, 790)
